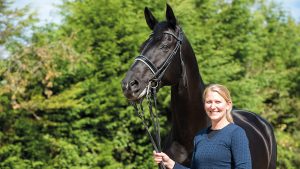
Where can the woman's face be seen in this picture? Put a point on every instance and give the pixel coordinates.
(215, 106)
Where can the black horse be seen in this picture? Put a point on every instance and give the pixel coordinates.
(167, 58)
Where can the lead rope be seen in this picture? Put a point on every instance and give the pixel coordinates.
(158, 138)
(151, 92)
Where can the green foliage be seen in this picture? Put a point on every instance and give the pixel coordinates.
(288, 150)
(61, 104)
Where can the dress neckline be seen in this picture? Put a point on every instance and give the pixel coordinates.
(211, 134)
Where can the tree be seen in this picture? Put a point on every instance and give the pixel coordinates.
(61, 104)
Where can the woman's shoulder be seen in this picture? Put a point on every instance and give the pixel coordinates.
(236, 127)
(200, 135)
(232, 129)
(236, 130)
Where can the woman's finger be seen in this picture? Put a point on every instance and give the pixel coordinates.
(160, 157)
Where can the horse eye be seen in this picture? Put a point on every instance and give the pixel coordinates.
(164, 47)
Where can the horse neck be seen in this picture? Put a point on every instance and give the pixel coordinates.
(186, 100)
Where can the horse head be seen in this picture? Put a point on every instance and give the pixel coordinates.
(160, 58)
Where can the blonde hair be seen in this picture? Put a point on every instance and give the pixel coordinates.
(224, 92)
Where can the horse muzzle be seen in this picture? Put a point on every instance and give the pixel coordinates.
(133, 90)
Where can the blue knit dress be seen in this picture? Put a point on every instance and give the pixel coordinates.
(228, 148)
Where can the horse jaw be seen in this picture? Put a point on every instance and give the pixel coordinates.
(178, 152)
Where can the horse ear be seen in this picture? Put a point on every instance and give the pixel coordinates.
(150, 19)
(170, 16)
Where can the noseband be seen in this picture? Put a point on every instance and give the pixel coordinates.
(158, 73)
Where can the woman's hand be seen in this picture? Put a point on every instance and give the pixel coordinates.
(164, 158)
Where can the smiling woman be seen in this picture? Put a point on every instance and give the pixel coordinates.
(221, 145)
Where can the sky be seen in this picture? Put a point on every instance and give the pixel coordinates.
(292, 6)
(47, 11)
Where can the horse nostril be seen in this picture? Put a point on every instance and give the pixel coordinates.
(134, 85)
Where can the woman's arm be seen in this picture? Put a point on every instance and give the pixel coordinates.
(240, 150)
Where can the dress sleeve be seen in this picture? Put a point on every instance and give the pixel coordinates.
(240, 150)
(179, 166)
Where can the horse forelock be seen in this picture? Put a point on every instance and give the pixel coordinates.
(157, 34)
(161, 27)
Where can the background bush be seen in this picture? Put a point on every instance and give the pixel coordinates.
(61, 104)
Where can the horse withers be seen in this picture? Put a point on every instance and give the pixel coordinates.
(167, 58)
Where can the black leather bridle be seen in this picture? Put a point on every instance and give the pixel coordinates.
(152, 89)
(159, 72)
